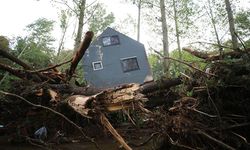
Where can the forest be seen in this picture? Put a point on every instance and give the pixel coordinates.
(199, 98)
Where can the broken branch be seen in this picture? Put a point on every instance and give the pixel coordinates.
(185, 64)
(51, 67)
(209, 57)
(80, 52)
(14, 59)
(111, 129)
(216, 140)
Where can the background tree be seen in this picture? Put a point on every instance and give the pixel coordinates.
(231, 25)
(183, 12)
(37, 47)
(242, 24)
(156, 66)
(86, 14)
(126, 25)
(100, 19)
(64, 24)
(80, 12)
(165, 36)
(213, 21)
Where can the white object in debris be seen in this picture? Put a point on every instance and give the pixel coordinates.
(41, 133)
(208, 70)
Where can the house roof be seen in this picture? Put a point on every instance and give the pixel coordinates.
(109, 29)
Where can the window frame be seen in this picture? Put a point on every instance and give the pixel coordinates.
(111, 44)
(95, 62)
(126, 58)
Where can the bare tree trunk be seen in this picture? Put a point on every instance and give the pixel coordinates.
(177, 31)
(80, 24)
(165, 36)
(139, 21)
(231, 24)
(61, 42)
(214, 26)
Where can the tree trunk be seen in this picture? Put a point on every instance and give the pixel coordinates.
(61, 42)
(79, 53)
(139, 21)
(215, 29)
(177, 32)
(80, 24)
(165, 36)
(231, 24)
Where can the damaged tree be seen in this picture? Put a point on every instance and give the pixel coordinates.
(49, 85)
(215, 115)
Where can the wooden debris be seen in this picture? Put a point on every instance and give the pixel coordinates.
(210, 57)
(80, 52)
(15, 59)
(105, 122)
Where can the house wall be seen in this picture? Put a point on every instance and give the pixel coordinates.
(112, 73)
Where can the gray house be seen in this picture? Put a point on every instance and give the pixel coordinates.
(114, 59)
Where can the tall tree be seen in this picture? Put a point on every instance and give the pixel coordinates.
(213, 21)
(126, 25)
(86, 14)
(38, 45)
(78, 9)
(231, 24)
(100, 19)
(177, 30)
(40, 32)
(80, 14)
(139, 20)
(140, 4)
(165, 36)
(242, 24)
(64, 23)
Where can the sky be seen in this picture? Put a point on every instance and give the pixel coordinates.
(17, 14)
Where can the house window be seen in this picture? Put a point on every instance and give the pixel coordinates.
(97, 65)
(110, 40)
(129, 64)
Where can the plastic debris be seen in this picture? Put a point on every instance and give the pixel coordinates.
(41, 133)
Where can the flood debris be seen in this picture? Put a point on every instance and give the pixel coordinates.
(213, 115)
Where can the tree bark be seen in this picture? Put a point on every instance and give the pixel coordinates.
(215, 29)
(14, 59)
(79, 54)
(231, 25)
(164, 84)
(177, 30)
(139, 21)
(165, 36)
(80, 24)
(209, 57)
(61, 42)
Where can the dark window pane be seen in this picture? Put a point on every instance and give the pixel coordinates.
(129, 64)
(110, 40)
(106, 41)
(97, 65)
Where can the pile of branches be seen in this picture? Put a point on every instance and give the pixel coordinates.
(46, 97)
(216, 113)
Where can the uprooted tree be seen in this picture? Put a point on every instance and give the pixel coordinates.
(214, 115)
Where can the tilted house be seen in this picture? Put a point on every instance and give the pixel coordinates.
(114, 59)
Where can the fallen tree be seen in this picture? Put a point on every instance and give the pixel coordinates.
(48, 87)
(215, 115)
